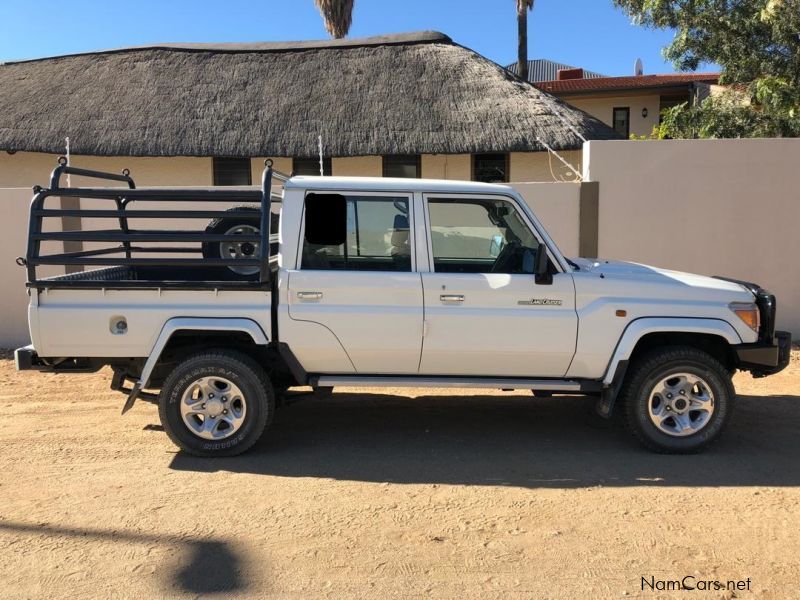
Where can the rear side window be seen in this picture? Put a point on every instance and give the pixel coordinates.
(356, 233)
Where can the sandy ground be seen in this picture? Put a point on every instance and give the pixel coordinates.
(391, 494)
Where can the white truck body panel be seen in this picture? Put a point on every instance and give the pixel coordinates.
(419, 322)
(79, 322)
(376, 316)
(489, 333)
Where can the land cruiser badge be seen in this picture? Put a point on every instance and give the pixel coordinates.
(540, 302)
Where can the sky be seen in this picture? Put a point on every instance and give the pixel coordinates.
(586, 33)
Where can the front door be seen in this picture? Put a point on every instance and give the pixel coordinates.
(361, 286)
(484, 313)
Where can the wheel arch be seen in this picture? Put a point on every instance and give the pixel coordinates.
(231, 332)
(714, 336)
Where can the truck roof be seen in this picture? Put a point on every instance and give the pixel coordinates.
(394, 184)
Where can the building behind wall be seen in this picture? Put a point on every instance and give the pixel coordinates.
(631, 105)
(415, 105)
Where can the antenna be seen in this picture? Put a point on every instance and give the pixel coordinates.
(321, 168)
(69, 182)
(638, 68)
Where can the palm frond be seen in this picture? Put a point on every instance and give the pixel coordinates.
(523, 5)
(338, 15)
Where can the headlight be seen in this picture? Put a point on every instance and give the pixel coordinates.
(747, 312)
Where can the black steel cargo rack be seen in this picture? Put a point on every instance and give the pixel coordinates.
(130, 262)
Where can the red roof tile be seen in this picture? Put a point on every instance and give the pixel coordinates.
(604, 84)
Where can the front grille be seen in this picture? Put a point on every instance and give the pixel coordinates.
(766, 307)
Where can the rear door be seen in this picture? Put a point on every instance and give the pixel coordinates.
(357, 279)
(485, 315)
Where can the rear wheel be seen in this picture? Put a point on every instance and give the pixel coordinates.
(677, 399)
(216, 403)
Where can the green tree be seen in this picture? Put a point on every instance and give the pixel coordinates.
(757, 44)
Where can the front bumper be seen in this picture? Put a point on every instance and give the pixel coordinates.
(771, 353)
(765, 357)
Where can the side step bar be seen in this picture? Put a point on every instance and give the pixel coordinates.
(504, 383)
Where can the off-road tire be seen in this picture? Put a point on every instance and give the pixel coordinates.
(242, 371)
(645, 373)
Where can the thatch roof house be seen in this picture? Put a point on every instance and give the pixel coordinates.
(411, 94)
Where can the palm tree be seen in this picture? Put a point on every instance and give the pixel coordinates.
(337, 14)
(523, 6)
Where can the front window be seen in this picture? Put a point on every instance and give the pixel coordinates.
(480, 236)
(356, 233)
(490, 168)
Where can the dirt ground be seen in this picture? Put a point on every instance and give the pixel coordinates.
(391, 494)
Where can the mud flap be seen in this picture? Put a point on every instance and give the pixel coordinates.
(608, 397)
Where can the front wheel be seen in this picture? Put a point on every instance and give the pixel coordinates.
(216, 403)
(677, 399)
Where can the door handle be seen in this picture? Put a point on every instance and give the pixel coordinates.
(451, 297)
(309, 295)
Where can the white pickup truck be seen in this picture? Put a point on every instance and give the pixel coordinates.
(372, 282)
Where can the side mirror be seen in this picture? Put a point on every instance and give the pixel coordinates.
(542, 268)
(496, 245)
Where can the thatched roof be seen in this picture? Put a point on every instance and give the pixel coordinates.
(401, 94)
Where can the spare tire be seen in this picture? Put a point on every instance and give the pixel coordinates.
(231, 249)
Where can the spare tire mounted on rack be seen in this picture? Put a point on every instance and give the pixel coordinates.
(235, 225)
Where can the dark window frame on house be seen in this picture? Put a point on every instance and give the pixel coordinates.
(393, 161)
(490, 156)
(231, 170)
(627, 111)
(310, 165)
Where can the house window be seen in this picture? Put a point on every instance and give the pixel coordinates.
(490, 168)
(310, 166)
(401, 165)
(232, 171)
(622, 121)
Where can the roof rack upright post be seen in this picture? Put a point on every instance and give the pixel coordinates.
(266, 206)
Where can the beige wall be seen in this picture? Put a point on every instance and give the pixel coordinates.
(717, 207)
(14, 205)
(446, 166)
(542, 166)
(603, 109)
(358, 166)
(557, 206)
(25, 169)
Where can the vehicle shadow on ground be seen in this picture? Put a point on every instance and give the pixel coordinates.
(205, 566)
(513, 441)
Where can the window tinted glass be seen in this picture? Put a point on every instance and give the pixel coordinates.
(622, 117)
(232, 171)
(489, 168)
(310, 166)
(377, 238)
(401, 166)
(480, 236)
